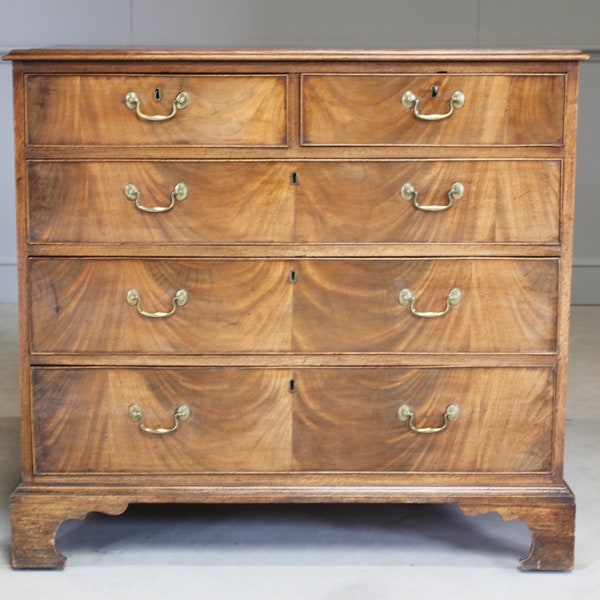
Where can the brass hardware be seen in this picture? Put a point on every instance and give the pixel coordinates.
(406, 414)
(407, 298)
(134, 299)
(179, 193)
(410, 194)
(410, 101)
(180, 102)
(181, 415)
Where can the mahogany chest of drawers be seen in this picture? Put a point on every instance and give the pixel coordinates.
(287, 276)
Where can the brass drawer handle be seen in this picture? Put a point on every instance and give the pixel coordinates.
(406, 298)
(179, 193)
(179, 103)
(410, 194)
(410, 101)
(181, 415)
(406, 414)
(179, 299)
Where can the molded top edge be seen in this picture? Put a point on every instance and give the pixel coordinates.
(198, 54)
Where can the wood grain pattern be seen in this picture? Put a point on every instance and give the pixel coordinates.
(227, 110)
(240, 420)
(352, 306)
(347, 110)
(83, 202)
(504, 201)
(247, 420)
(329, 202)
(233, 306)
(346, 419)
(337, 306)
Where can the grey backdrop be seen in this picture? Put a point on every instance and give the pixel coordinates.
(317, 23)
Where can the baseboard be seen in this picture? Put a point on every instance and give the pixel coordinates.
(586, 283)
(8, 280)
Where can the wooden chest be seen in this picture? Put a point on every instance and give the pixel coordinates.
(310, 276)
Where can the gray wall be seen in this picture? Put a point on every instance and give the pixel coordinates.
(318, 23)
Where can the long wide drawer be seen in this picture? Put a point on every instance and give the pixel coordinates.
(219, 110)
(363, 110)
(299, 202)
(356, 305)
(254, 420)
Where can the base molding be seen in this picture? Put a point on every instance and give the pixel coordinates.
(38, 511)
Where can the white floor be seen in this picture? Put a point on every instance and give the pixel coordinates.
(314, 552)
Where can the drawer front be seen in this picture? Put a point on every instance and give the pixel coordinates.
(81, 305)
(224, 202)
(223, 110)
(308, 202)
(348, 110)
(503, 201)
(239, 420)
(506, 305)
(347, 420)
(247, 420)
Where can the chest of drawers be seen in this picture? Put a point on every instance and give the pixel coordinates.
(294, 277)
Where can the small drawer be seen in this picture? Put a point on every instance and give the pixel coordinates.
(426, 305)
(366, 110)
(348, 420)
(220, 202)
(92, 420)
(424, 201)
(217, 110)
(159, 306)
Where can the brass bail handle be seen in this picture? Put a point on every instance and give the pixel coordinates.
(178, 194)
(179, 299)
(410, 194)
(407, 298)
(181, 415)
(410, 101)
(406, 414)
(132, 102)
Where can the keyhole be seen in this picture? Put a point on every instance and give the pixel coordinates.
(292, 386)
(294, 178)
(435, 90)
(157, 94)
(293, 276)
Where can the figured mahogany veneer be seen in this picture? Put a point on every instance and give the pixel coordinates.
(286, 286)
(226, 110)
(297, 202)
(250, 306)
(251, 421)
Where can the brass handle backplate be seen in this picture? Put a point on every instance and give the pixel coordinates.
(410, 194)
(179, 299)
(181, 415)
(410, 101)
(407, 298)
(406, 414)
(179, 193)
(132, 102)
